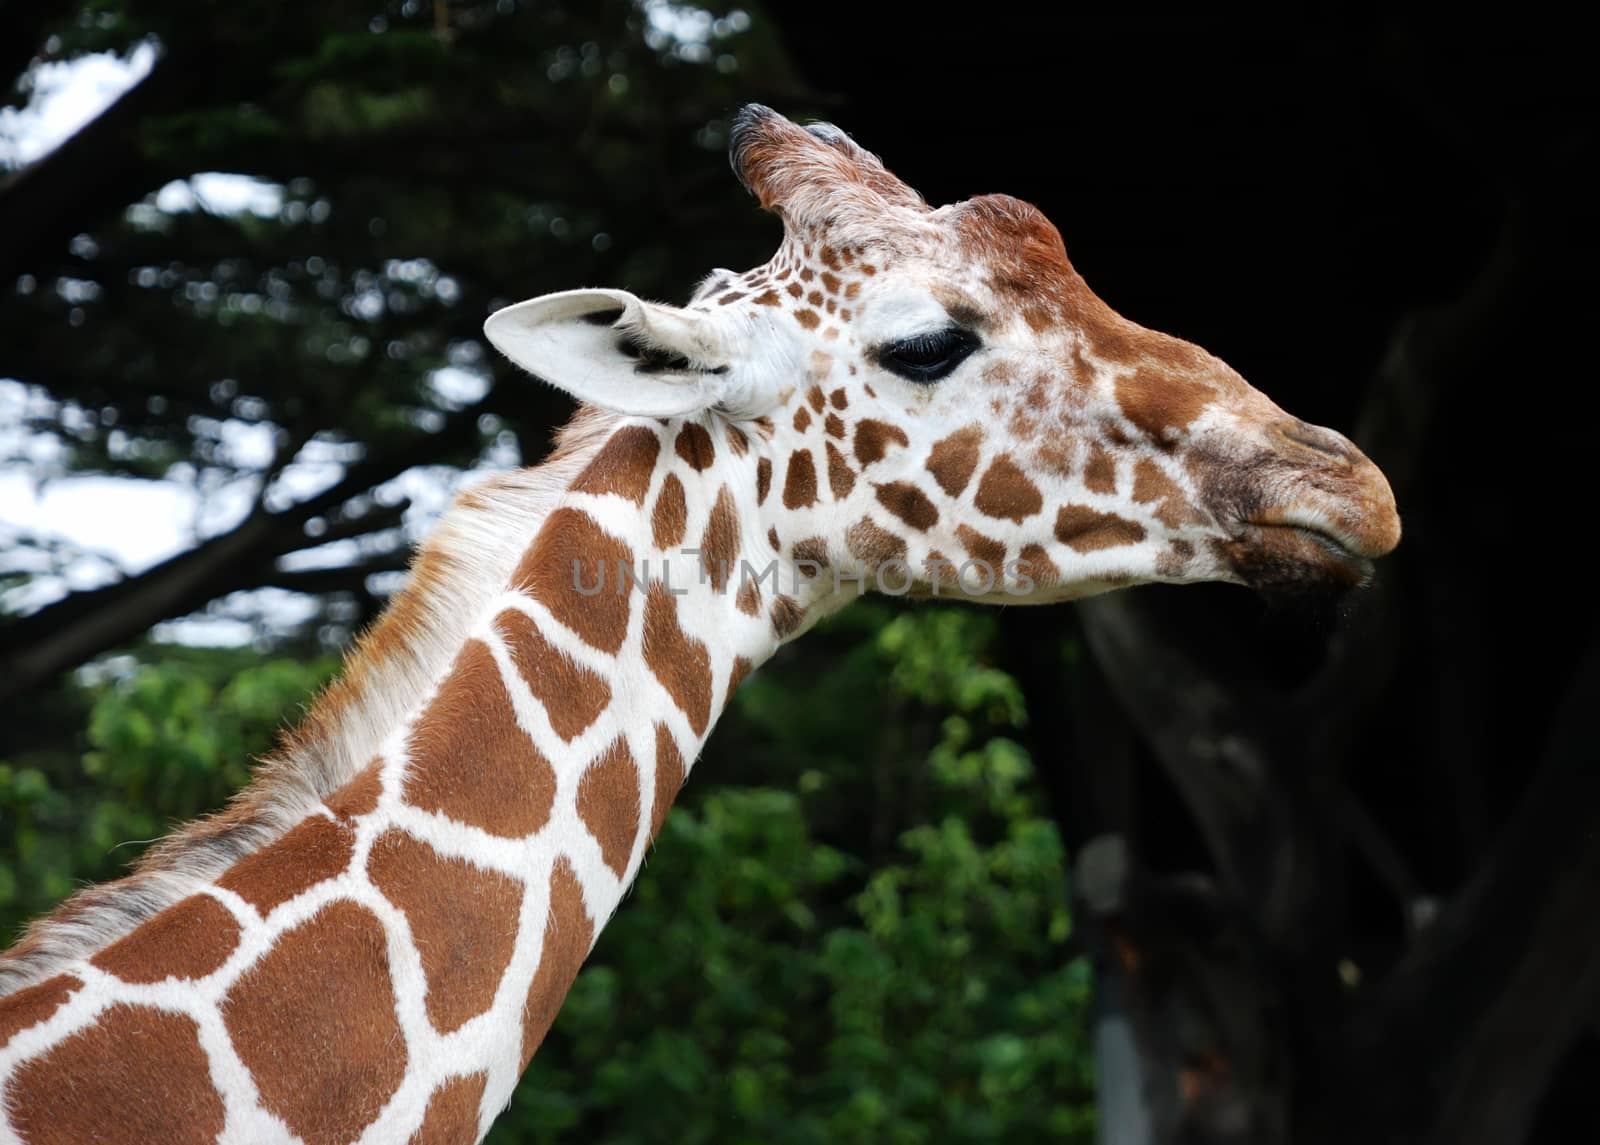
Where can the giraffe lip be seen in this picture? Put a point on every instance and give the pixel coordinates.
(1272, 555)
(1335, 548)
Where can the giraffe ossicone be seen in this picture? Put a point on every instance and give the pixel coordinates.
(370, 943)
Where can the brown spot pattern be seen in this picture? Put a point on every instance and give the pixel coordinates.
(572, 696)
(326, 1070)
(359, 796)
(953, 460)
(786, 616)
(981, 548)
(802, 419)
(316, 849)
(1100, 471)
(719, 548)
(736, 676)
(470, 760)
(28, 1007)
(1157, 403)
(679, 661)
(1151, 484)
(908, 503)
(807, 318)
(572, 550)
(567, 934)
(452, 1114)
(623, 466)
(1088, 530)
(833, 426)
(813, 551)
(669, 777)
(874, 437)
(873, 545)
(462, 918)
(1005, 491)
(190, 939)
(608, 804)
(1034, 562)
(737, 441)
(671, 514)
(136, 1074)
(695, 447)
(841, 478)
(800, 481)
(748, 599)
(763, 479)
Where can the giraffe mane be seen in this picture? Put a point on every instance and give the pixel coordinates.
(394, 666)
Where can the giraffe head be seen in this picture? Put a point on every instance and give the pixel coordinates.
(938, 390)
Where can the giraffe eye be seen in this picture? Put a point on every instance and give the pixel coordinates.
(928, 357)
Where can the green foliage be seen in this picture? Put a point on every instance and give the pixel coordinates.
(772, 980)
(164, 741)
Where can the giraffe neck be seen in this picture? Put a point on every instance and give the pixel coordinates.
(395, 958)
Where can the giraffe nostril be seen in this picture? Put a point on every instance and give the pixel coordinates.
(1315, 438)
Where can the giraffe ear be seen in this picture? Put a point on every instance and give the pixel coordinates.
(616, 351)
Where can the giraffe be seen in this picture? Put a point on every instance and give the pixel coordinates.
(371, 941)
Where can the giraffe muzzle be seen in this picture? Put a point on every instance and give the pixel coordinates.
(1314, 514)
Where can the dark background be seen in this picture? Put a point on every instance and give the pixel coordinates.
(1337, 863)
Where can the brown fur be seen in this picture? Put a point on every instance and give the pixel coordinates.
(763, 480)
(469, 759)
(1161, 402)
(137, 1074)
(317, 850)
(447, 901)
(874, 437)
(671, 515)
(953, 460)
(1088, 530)
(909, 503)
(787, 615)
(572, 696)
(1152, 485)
(677, 659)
(669, 777)
(360, 795)
(623, 466)
(872, 545)
(719, 548)
(572, 550)
(608, 804)
(452, 1114)
(190, 939)
(982, 548)
(800, 481)
(567, 935)
(1100, 471)
(1005, 491)
(841, 478)
(1034, 562)
(282, 1002)
(27, 1008)
(695, 447)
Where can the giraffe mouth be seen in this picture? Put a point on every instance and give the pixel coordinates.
(1284, 556)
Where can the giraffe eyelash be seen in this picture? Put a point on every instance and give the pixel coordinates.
(926, 358)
